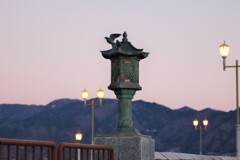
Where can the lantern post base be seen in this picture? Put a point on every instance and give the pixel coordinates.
(129, 147)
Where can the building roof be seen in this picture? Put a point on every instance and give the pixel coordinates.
(185, 156)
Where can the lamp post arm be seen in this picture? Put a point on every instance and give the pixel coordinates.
(95, 104)
(232, 66)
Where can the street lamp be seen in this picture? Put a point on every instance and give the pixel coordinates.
(100, 94)
(224, 49)
(204, 124)
(78, 136)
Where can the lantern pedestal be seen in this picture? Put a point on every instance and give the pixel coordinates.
(128, 143)
(129, 147)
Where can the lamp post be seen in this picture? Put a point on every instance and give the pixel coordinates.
(78, 137)
(195, 124)
(224, 50)
(100, 94)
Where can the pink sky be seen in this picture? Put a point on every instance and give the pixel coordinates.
(50, 49)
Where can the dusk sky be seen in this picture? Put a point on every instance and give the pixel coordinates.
(50, 49)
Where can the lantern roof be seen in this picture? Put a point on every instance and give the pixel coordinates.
(124, 48)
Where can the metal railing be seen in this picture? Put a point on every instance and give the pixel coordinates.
(74, 151)
(15, 149)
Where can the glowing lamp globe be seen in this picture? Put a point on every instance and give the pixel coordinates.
(84, 94)
(78, 136)
(224, 49)
(205, 122)
(100, 93)
(195, 123)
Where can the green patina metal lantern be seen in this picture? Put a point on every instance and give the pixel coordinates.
(124, 63)
(124, 76)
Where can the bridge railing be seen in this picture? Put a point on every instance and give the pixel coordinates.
(15, 149)
(84, 152)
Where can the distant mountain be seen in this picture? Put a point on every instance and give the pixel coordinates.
(172, 129)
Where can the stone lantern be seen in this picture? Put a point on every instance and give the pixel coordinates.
(127, 141)
(124, 63)
(124, 78)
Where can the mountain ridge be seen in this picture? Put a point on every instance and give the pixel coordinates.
(172, 129)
